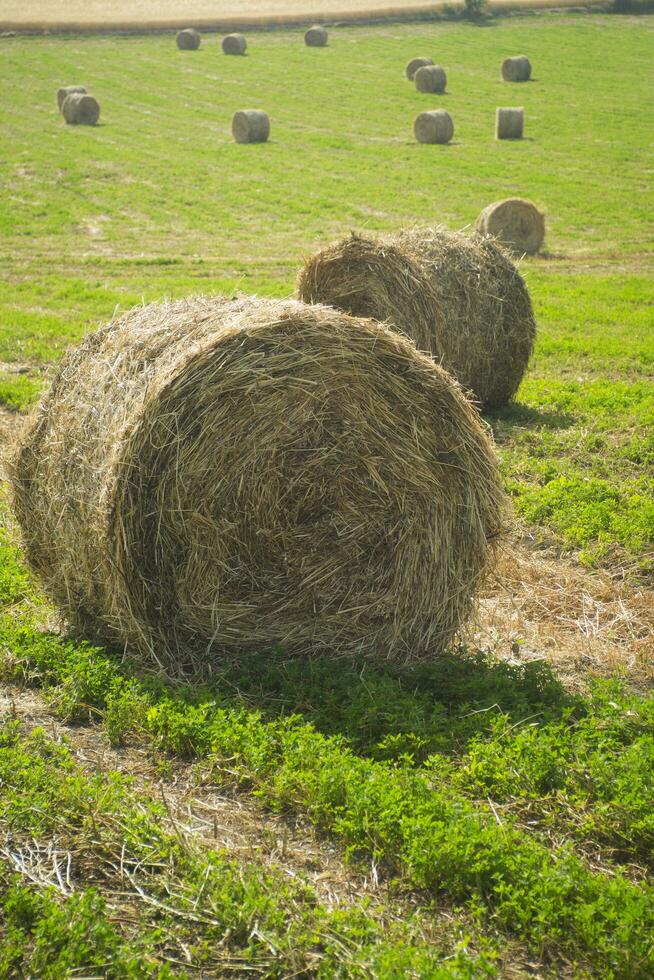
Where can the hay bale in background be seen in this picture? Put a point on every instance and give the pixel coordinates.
(68, 90)
(509, 123)
(214, 476)
(414, 64)
(516, 69)
(516, 223)
(188, 39)
(435, 126)
(234, 44)
(459, 297)
(80, 110)
(316, 37)
(430, 78)
(250, 126)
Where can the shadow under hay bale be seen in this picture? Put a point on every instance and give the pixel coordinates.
(516, 69)
(316, 37)
(414, 64)
(67, 90)
(214, 476)
(459, 297)
(435, 126)
(430, 78)
(188, 39)
(80, 110)
(516, 223)
(234, 44)
(250, 126)
(509, 123)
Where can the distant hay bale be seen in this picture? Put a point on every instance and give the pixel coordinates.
(234, 44)
(516, 223)
(188, 39)
(509, 123)
(430, 78)
(80, 110)
(250, 126)
(316, 37)
(414, 64)
(68, 90)
(516, 69)
(459, 297)
(215, 476)
(435, 126)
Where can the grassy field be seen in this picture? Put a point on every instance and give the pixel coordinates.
(511, 813)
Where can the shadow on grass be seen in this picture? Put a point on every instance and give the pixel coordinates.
(517, 415)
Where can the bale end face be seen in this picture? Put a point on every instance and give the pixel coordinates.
(517, 69)
(430, 78)
(234, 44)
(316, 37)
(251, 126)
(434, 127)
(516, 223)
(509, 123)
(414, 64)
(67, 90)
(188, 39)
(80, 110)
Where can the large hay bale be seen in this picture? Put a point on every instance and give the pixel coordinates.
(250, 126)
(516, 223)
(213, 476)
(80, 110)
(509, 123)
(435, 126)
(414, 64)
(316, 37)
(459, 297)
(188, 39)
(430, 78)
(516, 69)
(234, 44)
(68, 90)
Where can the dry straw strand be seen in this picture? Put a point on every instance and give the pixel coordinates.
(234, 44)
(188, 39)
(413, 66)
(316, 37)
(509, 123)
(459, 297)
(67, 90)
(250, 126)
(213, 476)
(517, 69)
(430, 78)
(516, 223)
(79, 109)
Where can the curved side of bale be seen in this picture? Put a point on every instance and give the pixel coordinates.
(460, 298)
(430, 78)
(250, 126)
(516, 223)
(435, 126)
(67, 90)
(517, 69)
(316, 37)
(509, 123)
(414, 64)
(234, 44)
(188, 39)
(212, 476)
(80, 110)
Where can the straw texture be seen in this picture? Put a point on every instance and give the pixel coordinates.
(516, 69)
(414, 64)
(62, 93)
(234, 44)
(516, 223)
(79, 109)
(316, 37)
(188, 39)
(250, 126)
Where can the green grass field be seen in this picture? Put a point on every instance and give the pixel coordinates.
(513, 815)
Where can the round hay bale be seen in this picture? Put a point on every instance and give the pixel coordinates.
(214, 476)
(68, 90)
(188, 39)
(516, 223)
(509, 123)
(516, 69)
(234, 44)
(414, 64)
(459, 297)
(250, 126)
(435, 126)
(80, 110)
(316, 37)
(430, 78)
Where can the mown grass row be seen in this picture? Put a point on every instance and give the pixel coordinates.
(137, 897)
